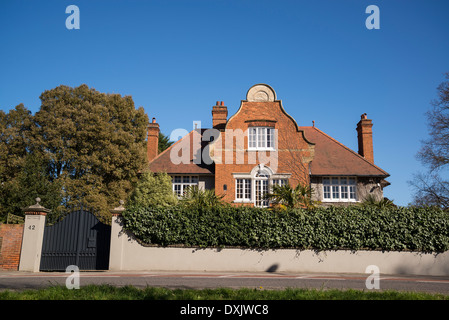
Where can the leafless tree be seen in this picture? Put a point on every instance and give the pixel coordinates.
(432, 188)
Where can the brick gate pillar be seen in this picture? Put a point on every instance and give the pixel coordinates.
(117, 238)
(33, 234)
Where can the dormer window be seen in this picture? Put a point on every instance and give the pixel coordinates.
(261, 138)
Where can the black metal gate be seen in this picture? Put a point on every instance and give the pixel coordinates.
(80, 239)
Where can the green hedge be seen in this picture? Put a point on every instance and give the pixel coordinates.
(355, 228)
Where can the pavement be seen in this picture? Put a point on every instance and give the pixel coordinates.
(18, 280)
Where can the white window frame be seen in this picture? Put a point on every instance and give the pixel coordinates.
(339, 189)
(245, 184)
(261, 138)
(256, 178)
(183, 183)
(279, 181)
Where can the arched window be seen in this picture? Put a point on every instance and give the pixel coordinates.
(253, 186)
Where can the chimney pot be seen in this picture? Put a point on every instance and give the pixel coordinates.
(219, 115)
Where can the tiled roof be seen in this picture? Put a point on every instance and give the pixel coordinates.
(334, 158)
(163, 162)
(331, 158)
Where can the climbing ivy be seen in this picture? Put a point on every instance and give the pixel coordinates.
(354, 228)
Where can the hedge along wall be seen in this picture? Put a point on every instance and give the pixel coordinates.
(354, 228)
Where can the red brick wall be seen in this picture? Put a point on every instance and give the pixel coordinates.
(294, 151)
(153, 140)
(10, 246)
(365, 138)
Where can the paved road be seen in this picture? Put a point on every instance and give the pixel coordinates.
(26, 280)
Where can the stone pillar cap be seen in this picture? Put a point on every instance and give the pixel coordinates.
(36, 208)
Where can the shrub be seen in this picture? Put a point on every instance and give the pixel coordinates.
(287, 197)
(196, 197)
(354, 228)
(153, 190)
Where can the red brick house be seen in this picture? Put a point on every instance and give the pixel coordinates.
(261, 145)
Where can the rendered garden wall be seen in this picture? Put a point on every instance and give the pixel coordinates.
(423, 230)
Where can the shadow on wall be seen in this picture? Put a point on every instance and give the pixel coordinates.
(272, 268)
(426, 266)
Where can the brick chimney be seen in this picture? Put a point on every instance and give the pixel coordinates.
(153, 140)
(219, 116)
(365, 138)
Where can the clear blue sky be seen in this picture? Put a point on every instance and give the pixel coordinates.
(177, 58)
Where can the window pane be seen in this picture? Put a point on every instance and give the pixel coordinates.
(177, 189)
(261, 138)
(279, 182)
(327, 192)
(247, 188)
(270, 138)
(344, 180)
(352, 192)
(195, 180)
(344, 192)
(239, 188)
(326, 181)
(177, 179)
(334, 180)
(252, 138)
(335, 193)
(351, 180)
(186, 179)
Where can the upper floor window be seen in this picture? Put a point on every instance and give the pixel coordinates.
(252, 187)
(339, 189)
(260, 138)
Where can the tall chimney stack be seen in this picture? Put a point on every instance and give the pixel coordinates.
(153, 140)
(219, 116)
(365, 138)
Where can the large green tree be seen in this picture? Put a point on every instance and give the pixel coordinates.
(93, 142)
(24, 174)
(164, 142)
(14, 140)
(15, 127)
